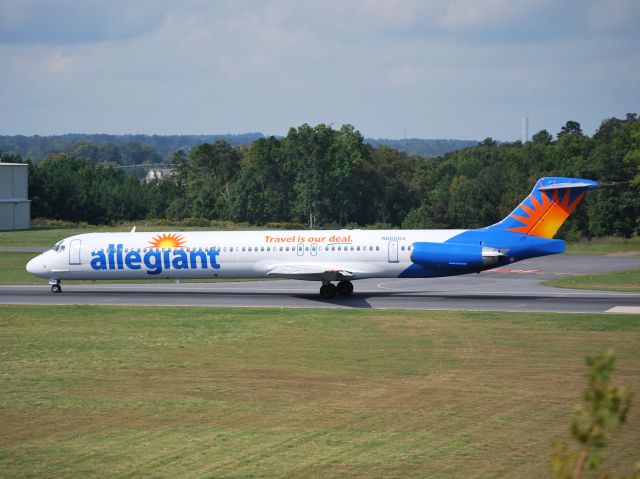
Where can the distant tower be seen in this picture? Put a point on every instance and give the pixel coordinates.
(524, 130)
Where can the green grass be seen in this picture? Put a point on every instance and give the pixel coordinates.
(12, 267)
(628, 280)
(46, 236)
(42, 236)
(200, 392)
(599, 246)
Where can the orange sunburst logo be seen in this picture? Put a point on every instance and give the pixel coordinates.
(167, 240)
(544, 216)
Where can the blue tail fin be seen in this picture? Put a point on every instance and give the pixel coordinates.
(550, 203)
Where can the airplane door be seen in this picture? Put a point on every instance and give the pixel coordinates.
(300, 249)
(74, 251)
(393, 251)
(314, 249)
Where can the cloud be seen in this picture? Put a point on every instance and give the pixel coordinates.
(69, 22)
(617, 17)
(438, 68)
(464, 15)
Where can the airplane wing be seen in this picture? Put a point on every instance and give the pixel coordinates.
(311, 272)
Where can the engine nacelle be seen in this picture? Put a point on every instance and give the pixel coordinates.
(459, 256)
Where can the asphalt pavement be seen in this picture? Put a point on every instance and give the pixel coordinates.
(516, 287)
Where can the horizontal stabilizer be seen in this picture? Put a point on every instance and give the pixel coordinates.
(558, 186)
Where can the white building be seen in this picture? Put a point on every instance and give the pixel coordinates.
(15, 206)
(157, 175)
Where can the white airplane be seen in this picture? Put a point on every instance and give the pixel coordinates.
(328, 256)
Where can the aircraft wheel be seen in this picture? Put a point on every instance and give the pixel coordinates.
(328, 291)
(56, 288)
(345, 288)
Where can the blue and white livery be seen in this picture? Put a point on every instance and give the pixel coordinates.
(338, 256)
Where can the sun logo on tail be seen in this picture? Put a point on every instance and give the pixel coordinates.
(543, 216)
(167, 240)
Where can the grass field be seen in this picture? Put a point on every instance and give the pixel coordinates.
(46, 236)
(12, 266)
(605, 246)
(628, 280)
(229, 393)
(43, 236)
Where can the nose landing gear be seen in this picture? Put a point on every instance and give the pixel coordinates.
(329, 290)
(55, 286)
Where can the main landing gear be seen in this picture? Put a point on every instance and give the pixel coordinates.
(55, 286)
(329, 290)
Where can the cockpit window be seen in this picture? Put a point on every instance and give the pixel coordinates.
(58, 247)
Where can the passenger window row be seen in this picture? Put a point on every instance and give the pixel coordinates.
(250, 249)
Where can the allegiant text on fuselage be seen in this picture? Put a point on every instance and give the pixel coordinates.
(155, 260)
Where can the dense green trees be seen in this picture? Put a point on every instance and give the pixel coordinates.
(156, 147)
(319, 176)
(480, 185)
(67, 188)
(129, 149)
(211, 171)
(264, 190)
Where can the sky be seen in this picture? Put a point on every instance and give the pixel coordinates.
(466, 69)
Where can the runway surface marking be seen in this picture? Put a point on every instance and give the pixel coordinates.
(624, 309)
(519, 271)
(548, 291)
(529, 271)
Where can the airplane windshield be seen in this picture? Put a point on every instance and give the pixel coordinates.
(58, 247)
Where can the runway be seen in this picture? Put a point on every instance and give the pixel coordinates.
(514, 288)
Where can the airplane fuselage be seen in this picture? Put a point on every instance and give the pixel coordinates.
(233, 254)
(320, 255)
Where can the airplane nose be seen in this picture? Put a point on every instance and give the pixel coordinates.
(35, 266)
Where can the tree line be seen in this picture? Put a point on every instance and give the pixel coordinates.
(480, 185)
(324, 177)
(120, 149)
(133, 150)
